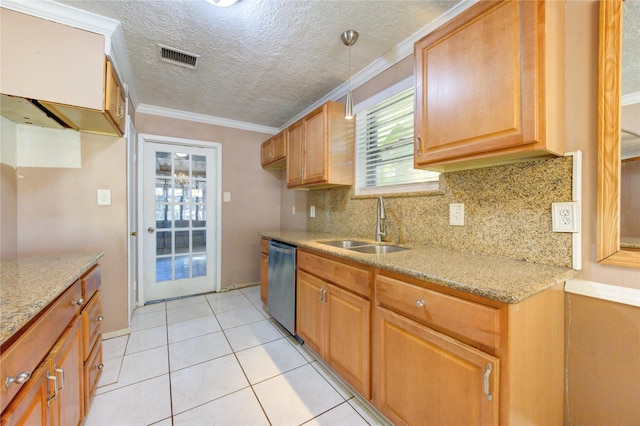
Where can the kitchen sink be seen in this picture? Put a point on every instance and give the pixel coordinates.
(381, 249)
(346, 244)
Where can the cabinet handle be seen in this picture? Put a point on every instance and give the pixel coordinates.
(61, 371)
(324, 294)
(418, 144)
(55, 388)
(98, 367)
(271, 154)
(120, 112)
(487, 373)
(78, 302)
(18, 380)
(420, 303)
(99, 319)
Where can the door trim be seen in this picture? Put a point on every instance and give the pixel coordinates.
(142, 139)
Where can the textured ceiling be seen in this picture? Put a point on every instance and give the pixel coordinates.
(262, 61)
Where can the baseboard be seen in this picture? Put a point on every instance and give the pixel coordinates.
(612, 293)
(117, 333)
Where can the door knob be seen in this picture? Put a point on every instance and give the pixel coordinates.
(150, 230)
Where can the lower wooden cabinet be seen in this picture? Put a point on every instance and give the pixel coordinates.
(333, 321)
(264, 270)
(425, 377)
(54, 393)
(61, 356)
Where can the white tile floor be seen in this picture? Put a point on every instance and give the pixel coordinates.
(217, 359)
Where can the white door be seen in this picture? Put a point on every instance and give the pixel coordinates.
(181, 219)
(132, 214)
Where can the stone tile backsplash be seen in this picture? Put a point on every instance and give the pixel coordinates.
(507, 212)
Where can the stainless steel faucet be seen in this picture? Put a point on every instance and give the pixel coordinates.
(381, 228)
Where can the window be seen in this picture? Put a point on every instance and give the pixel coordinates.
(384, 144)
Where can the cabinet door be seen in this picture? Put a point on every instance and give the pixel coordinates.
(309, 311)
(266, 152)
(424, 377)
(30, 406)
(114, 100)
(316, 149)
(264, 277)
(347, 337)
(295, 153)
(67, 367)
(279, 146)
(476, 83)
(91, 323)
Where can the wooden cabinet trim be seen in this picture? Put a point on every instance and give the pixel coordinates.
(91, 282)
(92, 372)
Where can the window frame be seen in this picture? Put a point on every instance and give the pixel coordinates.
(429, 185)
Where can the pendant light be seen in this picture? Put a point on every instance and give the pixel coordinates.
(349, 38)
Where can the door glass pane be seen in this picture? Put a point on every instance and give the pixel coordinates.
(163, 186)
(181, 215)
(199, 265)
(182, 242)
(181, 165)
(163, 269)
(163, 243)
(198, 191)
(199, 216)
(198, 240)
(199, 166)
(181, 267)
(163, 164)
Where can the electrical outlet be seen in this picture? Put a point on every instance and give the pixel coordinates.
(312, 211)
(456, 214)
(566, 216)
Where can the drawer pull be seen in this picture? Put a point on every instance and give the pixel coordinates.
(78, 302)
(487, 374)
(19, 379)
(99, 366)
(99, 319)
(61, 371)
(420, 303)
(55, 388)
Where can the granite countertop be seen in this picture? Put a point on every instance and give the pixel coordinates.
(501, 279)
(29, 284)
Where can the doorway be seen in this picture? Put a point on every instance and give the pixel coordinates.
(181, 217)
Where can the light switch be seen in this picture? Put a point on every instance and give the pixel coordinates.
(226, 197)
(104, 197)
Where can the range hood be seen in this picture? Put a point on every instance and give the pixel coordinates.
(29, 111)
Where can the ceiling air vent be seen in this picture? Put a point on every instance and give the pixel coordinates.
(178, 57)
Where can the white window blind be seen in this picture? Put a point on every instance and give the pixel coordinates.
(384, 143)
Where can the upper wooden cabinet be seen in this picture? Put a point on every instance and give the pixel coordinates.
(62, 67)
(108, 120)
(490, 86)
(320, 149)
(273, 152)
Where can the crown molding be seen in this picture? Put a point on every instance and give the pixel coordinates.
(202, 118)
(395, 55)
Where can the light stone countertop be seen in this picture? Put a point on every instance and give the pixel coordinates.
(501, 279)
(29, 284)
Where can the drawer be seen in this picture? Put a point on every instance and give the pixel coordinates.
(92, 372)
(459, 317)
(91, 282)
(342, 274)
(24, 355)
(264, 245)
(91, 323)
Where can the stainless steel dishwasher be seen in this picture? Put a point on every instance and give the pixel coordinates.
(281, 299)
